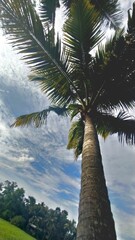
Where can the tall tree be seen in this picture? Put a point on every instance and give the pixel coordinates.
(86, 87)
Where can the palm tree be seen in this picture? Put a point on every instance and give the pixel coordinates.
(96, 91)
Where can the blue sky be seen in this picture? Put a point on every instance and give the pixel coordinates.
(37, 159)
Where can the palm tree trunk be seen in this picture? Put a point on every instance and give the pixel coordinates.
(95, 220)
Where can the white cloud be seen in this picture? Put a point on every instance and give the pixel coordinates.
(125, 224)
(119, 160)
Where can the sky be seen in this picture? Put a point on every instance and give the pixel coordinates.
(37, 159)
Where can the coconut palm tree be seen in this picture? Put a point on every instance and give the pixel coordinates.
(94, 90)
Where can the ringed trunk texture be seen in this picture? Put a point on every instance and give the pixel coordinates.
(95, 220)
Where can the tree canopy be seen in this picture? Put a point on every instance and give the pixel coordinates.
(37, 219)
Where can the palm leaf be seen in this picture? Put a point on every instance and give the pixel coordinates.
(27, 35)
(57, 88)
(74, 109)
(75, 137)
(67, 3)
(109, 10)
(81, 34)
(38, 118)
(47, 10)
(113, 81)
(122, 124)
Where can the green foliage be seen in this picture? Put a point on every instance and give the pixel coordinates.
(82, 31)
(19, 221)
(109, 10)
(48, 10)
(75, 137)
(34, 218)
(10, 232)
(77, 82)
(11, 200)
(107, 124)
(38, 118)
(39, 49)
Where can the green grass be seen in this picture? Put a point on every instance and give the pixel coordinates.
(11, 232)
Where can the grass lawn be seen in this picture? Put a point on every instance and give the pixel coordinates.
(11, 232)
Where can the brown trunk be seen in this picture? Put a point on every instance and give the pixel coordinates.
(95, 220)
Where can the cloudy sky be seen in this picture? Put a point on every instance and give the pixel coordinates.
(37, 159)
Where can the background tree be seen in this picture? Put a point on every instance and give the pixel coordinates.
(91, 88)
(34, 218)
(11, 201)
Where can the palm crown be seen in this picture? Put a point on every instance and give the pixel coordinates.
(77, 82)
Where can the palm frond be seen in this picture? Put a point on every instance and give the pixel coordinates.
(113, 82)
(57, 87)
(126, 128)
(67, 3)
(122, 124)
(81, 34)
(109, 11)
(38, 118)
(47, 10)
(112, 46)
(26, 33)
(74, 109)
(75, 137)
